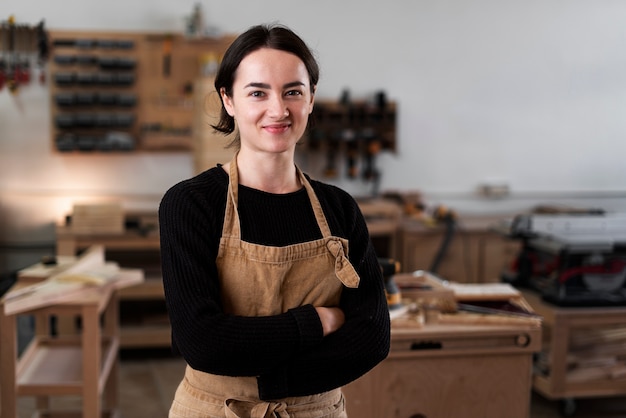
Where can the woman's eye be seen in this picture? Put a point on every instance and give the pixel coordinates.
(294, 93)
(257, 94)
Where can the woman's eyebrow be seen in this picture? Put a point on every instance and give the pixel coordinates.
(293, 84)
(258, 85)
(267, 86)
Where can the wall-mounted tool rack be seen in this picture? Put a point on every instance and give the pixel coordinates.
(23, 49)
(114, 91)
(356, 130)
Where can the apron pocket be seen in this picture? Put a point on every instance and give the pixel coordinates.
(189, 402)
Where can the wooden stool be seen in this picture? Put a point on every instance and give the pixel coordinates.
(84, 365)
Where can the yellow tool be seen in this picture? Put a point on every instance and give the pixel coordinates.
(389, 268)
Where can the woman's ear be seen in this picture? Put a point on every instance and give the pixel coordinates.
(228, 102)
(312, 99)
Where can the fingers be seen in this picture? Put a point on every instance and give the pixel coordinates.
(332, 319)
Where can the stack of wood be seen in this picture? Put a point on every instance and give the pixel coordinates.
(98, 218)
(459, 303)
(597, 354)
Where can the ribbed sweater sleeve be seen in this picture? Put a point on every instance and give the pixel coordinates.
(287, 352)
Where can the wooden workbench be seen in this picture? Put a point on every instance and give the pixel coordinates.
(583, 352)
(55, 364)
(450, 371)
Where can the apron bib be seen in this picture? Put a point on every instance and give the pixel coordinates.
(258, 280)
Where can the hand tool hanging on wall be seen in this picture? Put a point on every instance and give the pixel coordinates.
(43, 50)
(351, 139)
(374, 140)
(332, 149)
(3, 76)
(370, 172)
(167, 56)
(337, 127)
(339, 133)
(4, 70)
(11, 79)
(352, 152)
(18, 46)
(23, 51)
(372, 148)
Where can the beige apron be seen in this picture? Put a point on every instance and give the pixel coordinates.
(260, 280)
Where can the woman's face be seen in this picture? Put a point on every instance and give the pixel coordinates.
(271, 100)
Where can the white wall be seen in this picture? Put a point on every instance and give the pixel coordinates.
(531, 93)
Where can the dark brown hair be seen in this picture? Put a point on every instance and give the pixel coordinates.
(261, 36)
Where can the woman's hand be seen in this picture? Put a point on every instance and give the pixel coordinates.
(332, 319)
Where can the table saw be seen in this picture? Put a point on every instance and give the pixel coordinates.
(571, 259)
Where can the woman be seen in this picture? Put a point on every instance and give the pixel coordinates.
(273, 289)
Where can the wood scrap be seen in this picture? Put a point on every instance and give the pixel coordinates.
(618, 371)
(579, 375)
(484, 291)
(611, 371)
(585, 337)
(88, 272)
(483, 319)
(424, 289)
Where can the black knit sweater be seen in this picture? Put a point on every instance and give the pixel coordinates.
(287, 352)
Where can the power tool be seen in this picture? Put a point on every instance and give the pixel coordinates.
(389, 267)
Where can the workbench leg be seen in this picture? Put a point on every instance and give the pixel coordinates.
(43, 328)
(567, 407)
(66, 246)
(558, 354)
(111, 332)
(91, 347)
(8, 363)
(42, 403)
(42, 324)
(111, 400)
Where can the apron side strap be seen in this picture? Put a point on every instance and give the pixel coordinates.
(344, 270)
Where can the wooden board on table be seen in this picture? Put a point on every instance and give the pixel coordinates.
(89, 273)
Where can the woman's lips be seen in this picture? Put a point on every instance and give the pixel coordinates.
(277, 128)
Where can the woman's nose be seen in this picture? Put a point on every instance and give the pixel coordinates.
(278, 108)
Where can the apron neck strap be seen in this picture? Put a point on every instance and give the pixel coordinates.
(232, 226)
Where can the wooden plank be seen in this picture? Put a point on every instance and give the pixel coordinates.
(88, 277)
(51, 290)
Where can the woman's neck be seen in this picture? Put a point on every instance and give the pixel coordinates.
(276, 174)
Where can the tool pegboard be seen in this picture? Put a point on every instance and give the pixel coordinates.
(354, 130)
(23, 54)
(114, 92)
(94, 91)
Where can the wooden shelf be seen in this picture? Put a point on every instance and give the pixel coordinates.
(562, 324)
(150, 289)
(130, 249)
(83, 364)
(69, 242)
(49, 367)
(166, 142)
(145, 336)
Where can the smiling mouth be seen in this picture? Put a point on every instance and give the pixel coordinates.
(277, 128)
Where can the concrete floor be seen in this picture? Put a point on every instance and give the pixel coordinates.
(148, 382)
